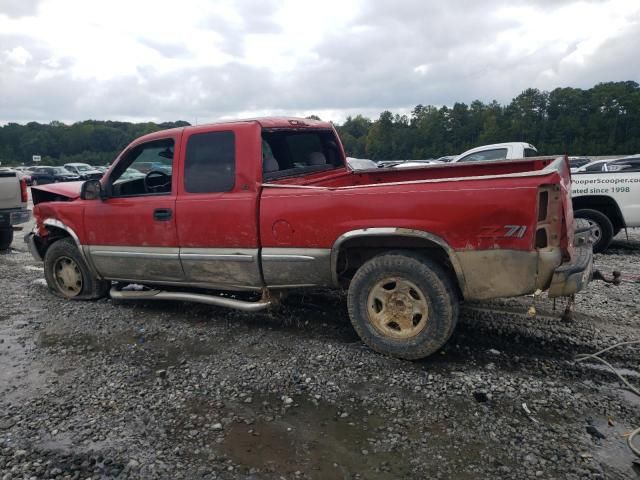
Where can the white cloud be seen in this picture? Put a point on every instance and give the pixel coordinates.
(147, 59)
(17, 56)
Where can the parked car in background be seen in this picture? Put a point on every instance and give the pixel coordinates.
(498, 151)
(43, 175)
(596, 166)
(25, 172)
(416, 163)
(607, 195)
(361, 163)
(13, 205)
(100, 168)
(146, 167)
(576, 162)
(407, 163)
(131, 174)
(611, 165)
(84, 170)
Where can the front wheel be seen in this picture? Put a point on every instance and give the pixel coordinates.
(403, 305)
(67, 273)
(601, 228)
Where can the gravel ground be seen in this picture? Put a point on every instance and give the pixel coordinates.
(176, 390)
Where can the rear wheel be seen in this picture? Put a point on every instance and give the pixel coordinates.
(6, 237)
(403, 305)
(601, 228)
(67, 273)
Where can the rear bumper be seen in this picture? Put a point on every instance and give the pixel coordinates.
(570, 278)
(8, 218)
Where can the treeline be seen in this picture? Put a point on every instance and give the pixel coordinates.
(91, 141)
(602, 120)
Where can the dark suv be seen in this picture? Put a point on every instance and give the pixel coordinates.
(42, 175)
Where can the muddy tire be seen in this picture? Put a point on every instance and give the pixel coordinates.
(6, 237)
(603, 231)
(403, 305)
(67, 273)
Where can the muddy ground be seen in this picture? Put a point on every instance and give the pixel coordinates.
(176, 390)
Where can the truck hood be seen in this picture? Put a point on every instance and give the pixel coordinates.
(56, 192)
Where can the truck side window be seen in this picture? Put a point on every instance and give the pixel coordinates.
(210, 164)
(495, 154)
(530, 152)
(145, 170)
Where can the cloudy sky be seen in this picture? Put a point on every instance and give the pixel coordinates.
(200, 60)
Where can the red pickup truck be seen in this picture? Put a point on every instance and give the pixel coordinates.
(243, 211)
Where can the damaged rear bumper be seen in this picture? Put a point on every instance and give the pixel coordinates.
(570, 278)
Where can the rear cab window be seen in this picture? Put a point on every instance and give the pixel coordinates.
(530, 152)
(287, 153)
(210, 162)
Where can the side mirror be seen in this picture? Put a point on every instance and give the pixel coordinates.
(91, 190)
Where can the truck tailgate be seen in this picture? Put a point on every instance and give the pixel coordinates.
(9, 191)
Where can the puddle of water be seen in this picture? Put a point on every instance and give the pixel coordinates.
(612, 452)
(20, 377)
(314, 439)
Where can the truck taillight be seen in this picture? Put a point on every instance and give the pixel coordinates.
(24, 196)
(549, 224)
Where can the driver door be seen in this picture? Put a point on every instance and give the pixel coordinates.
(132, 234)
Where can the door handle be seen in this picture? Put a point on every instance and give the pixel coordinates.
(162, 214)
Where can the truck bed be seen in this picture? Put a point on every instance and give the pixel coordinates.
(441, 172)
(484, 215)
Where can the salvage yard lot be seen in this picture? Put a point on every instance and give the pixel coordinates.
(175, 390)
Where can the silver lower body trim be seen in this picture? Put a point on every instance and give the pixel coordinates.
(137, 263)
(284, 267)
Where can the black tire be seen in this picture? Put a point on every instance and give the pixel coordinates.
(603, 231)
(6, 238)
(427, 282)
(64, 254)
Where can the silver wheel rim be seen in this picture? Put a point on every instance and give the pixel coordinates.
(67, 276)
(397, 308)
(596, 231)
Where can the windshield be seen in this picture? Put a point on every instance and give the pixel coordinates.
(83, 168)
(61, 170)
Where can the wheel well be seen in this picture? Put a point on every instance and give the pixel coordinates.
(55, 234)
(604, 204)
(355, 252)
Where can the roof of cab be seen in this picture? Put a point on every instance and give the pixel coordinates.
(265, 122)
